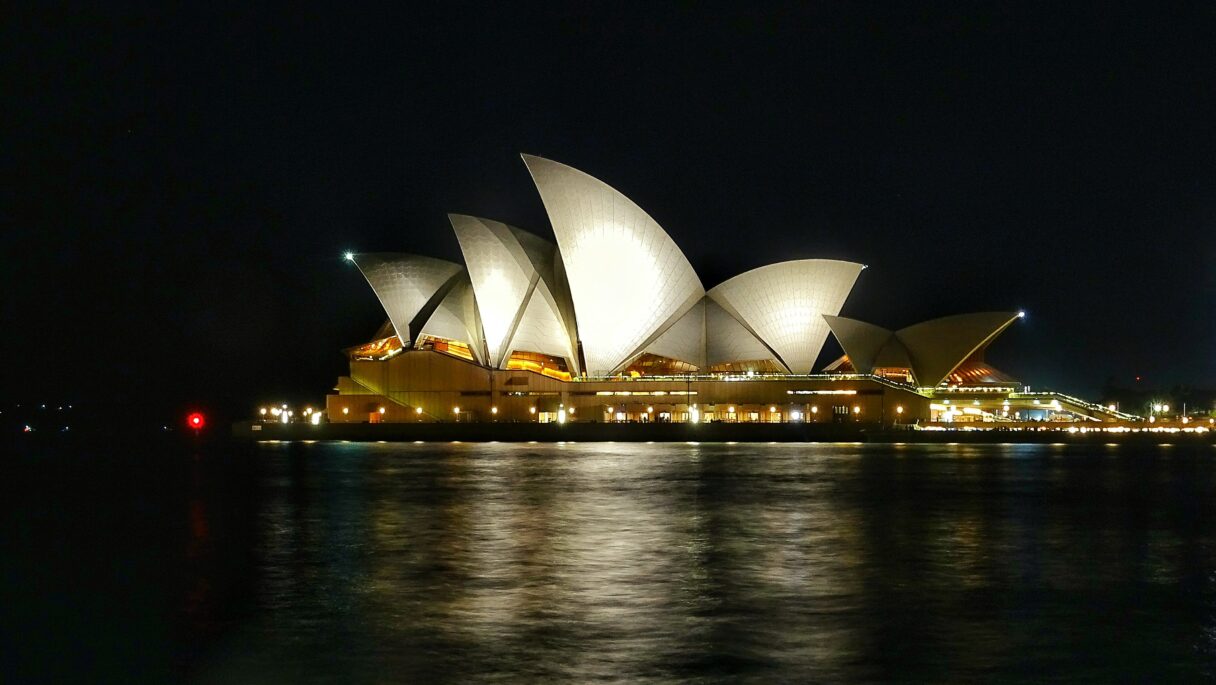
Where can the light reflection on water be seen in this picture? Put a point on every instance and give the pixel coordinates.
(715, 562)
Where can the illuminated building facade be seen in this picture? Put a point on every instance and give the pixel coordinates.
(612, 323)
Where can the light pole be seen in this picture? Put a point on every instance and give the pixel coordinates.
(688, 394)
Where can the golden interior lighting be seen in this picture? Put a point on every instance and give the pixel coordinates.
(376, 349)
(545, 365)
(454, 348)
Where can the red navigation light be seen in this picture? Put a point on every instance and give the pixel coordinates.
(196, 421)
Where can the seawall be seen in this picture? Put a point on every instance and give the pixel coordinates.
(680, 432)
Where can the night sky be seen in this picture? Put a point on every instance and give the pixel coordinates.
(180, 186)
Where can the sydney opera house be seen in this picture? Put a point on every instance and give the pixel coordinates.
(612, 324)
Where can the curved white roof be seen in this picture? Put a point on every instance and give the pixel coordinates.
(932, 349)
(541, 329)
(783, 304)
(512, 272)
(727, 340)
(862, 342)
(685, 339)
(628, 279)
(937, 347)
(405, 284)
(455, 317)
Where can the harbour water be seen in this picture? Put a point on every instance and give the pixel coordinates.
(665, 563)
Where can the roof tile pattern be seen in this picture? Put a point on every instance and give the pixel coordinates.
(783, 304)
(937, 347)
(627, 277)
(455, 317)
(932, 349)
(405, 284)
(685, 339)
(727, 340)
(512, 273)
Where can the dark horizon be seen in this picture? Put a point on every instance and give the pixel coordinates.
(183, 185)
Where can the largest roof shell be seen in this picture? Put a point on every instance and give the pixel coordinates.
(628, 279)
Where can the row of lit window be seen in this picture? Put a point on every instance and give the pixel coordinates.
(652, 393)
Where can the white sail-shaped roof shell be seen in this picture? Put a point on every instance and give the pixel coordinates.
(931, 349)
(628, 279)
(862, 342)
(727, 340)
(455, 317)
(513, 273)
(405, 284)
(783, 305)
(541, 329)
(937, 347)
(685, 339)
(706, 336)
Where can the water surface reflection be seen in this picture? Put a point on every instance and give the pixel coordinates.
(671, 563)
